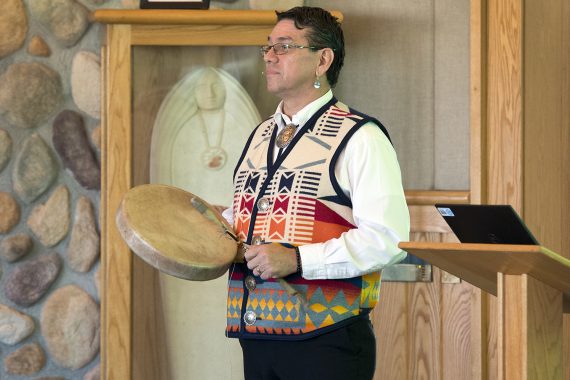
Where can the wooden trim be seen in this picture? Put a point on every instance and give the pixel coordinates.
(565, 135)
(427, 197)
(478, 173)
(565, 159)
(503, 128)
(188, 17)
(478, 91)
(201, 35)
(504, 103)
(116, 258)
(103, 276)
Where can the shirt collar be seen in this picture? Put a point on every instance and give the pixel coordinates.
(301, 117)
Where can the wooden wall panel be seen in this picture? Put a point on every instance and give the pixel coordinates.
(460, 344)
(390, 322)
(547, 129)
(492, 358)
(457, 348)
(543, 115)
(424, 323)
(544, 364)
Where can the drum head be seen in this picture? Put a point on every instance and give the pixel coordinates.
(161, 226)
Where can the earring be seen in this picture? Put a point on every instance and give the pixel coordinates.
(317, 83)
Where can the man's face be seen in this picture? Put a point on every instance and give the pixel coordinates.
(293, 73)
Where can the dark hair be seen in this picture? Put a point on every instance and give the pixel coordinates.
(324, 31)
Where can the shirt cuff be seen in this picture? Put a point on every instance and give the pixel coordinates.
(312, 261)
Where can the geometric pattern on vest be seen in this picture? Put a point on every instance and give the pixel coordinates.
(271, 303)
(294, 194)
(304, 207)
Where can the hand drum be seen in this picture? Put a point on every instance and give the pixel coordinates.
(176, 232)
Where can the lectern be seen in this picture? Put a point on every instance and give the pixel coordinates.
(532, 285)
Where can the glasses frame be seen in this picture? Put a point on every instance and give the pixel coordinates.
(263, 50)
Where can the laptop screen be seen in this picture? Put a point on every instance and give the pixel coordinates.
(486, 224)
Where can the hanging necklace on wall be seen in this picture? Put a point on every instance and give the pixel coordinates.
(214, 157)
(285, 136)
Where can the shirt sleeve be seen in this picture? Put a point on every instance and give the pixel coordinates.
(228, 215)
(368, 172)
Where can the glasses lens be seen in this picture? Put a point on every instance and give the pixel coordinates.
(280, 48)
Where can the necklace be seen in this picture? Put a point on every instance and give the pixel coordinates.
(214, 157)
(285, 136)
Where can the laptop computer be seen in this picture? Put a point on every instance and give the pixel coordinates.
(486, 224)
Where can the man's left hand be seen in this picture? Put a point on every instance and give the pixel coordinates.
(271, 260)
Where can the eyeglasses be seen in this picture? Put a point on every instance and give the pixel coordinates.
(281, 48)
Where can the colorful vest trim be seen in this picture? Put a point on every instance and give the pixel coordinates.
(306, 205)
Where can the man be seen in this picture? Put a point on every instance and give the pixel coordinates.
(319, 203)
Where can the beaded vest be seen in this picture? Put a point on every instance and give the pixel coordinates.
(293, 201)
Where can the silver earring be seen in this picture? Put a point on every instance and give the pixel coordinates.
(317, 83)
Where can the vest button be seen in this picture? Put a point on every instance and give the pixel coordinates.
(263, 204)
(249, 318)
(250, 283)
(257, 240)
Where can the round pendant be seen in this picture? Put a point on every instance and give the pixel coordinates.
(285, 136)
(214, 158)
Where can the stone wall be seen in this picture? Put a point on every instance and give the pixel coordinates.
(49, 189)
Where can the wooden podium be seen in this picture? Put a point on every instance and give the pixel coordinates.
(532, 285)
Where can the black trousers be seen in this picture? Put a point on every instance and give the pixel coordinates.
(348, 353)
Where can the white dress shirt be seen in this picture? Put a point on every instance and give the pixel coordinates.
(368, 172)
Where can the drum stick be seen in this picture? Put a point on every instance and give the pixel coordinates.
(203, 209)
(294, 292)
